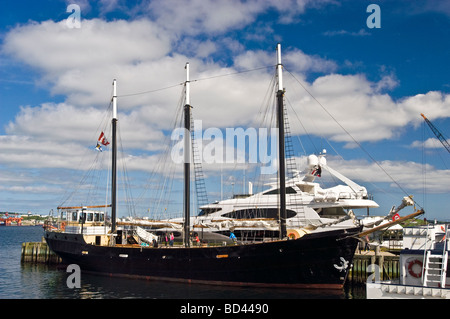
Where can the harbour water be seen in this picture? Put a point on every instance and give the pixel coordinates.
(40, 281)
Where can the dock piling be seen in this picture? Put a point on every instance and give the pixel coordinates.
(33, 252)
(388, 263)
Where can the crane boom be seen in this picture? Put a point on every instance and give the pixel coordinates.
(437, 133)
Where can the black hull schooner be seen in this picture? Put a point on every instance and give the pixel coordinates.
(321, 258)
(316, 260)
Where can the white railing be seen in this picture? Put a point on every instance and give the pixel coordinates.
(87, 230)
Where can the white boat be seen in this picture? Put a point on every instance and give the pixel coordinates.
(309, 208)
(307, 204)
(423, 267)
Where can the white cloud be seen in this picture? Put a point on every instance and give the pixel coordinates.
(198, 17)
(387, 82)
(64, 127)
(57, 122)
(295, 59)
(197, 48)
(97, 42)
(81, 63)
(433, 104)
(22, 151)
(358, 106)
(407, 174)
(360, 33)
(429, 143)
(28, 189)
(209, 17)
(215, 17)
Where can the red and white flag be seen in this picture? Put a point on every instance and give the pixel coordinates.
(102, 139)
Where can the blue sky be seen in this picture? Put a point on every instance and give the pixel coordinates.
(55, 85)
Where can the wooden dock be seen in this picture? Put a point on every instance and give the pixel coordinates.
(389, 266)
(38, 253)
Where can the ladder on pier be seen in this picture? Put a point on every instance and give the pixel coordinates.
(435, 268)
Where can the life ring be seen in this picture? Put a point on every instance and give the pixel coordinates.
(293, 235)
(63, 226)
(297, 233)
(412, 272)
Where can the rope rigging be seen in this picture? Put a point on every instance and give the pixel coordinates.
(196, 80)
(163, 172)
(95, 165)
(351, 136)
(97, 170)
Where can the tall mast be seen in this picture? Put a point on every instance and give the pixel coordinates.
(281, 159)
(187, 159)
(114, 160)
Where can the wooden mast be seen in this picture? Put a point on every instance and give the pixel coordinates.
(187, 159)
(281, 161)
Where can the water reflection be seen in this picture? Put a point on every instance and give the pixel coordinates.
(39, 281)
(49, 282)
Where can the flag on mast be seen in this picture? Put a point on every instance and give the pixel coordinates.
(101, 141)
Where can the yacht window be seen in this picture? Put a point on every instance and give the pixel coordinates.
(258, 213)
(289, 190)
(207, 211)
(331, 212)
(98, 217)
(74, 216)
(306, 188)
(90, 217)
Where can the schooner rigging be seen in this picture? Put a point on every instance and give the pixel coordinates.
(317, 259)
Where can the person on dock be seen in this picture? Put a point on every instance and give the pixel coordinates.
(197, 240)
(233, 237)
(171, 240)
